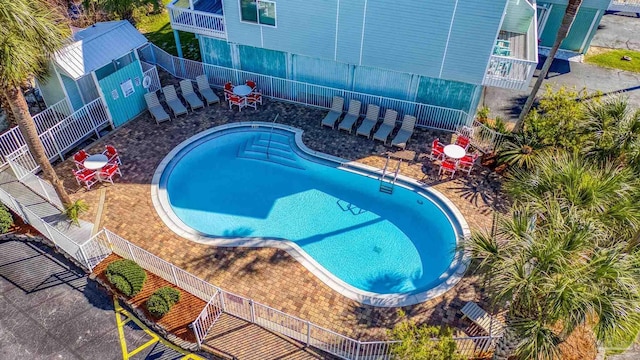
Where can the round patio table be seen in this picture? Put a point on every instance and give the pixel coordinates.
(454, 151)
(242, 90)
(96, 162)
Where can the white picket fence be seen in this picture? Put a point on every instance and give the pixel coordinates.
(61, 136)
(429, 116)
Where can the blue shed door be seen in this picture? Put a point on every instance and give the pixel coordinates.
(124, 93)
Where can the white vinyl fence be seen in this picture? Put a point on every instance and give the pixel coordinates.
(61, 136)
(429, 116)
(23, 164)
(152, 72)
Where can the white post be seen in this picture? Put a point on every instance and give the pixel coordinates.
(131, 251)
(222, 304)
(358, 351)
(253, 312)
(175, 278)
(84, 256)
(308, 332)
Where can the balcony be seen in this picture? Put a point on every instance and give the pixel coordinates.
(204, 17)
(515, 56)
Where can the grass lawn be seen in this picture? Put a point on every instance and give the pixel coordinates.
(158, 30)
(612, 59)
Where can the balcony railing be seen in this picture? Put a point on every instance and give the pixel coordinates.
(514, 70)
(632, 6)
(197, 22)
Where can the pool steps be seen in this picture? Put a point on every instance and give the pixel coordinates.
(388, 179)
(275, 148)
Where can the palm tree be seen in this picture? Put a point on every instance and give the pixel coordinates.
(614, 131)
(30, 34)
(545, 267)
(606, 194)
(569, 16)
(521, 150)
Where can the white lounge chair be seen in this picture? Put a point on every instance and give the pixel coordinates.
(475, 313)
(337, 104)
(188, 94)
(171, 97)
(155, 108)
(205, 90)
(353, 114)
(388, 124)
(405, 132)
(370, 121)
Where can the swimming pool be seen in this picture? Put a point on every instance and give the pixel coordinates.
(253, 185)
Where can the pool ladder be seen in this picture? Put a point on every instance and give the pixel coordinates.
(388, 179)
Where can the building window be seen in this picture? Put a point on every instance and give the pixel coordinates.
(261, 12)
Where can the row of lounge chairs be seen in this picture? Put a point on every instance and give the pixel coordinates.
(370, 121)
(175, 104)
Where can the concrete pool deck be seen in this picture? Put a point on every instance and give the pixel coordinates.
(271, 276)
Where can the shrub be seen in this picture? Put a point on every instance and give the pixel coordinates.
(74, 210)
(127, 276)
(6, 219)
(420, 342)
(161, 301)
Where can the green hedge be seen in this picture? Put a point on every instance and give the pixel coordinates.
(161, 301)
(127, 276)
(6, 219)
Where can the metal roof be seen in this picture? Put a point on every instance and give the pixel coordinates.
(96, 46)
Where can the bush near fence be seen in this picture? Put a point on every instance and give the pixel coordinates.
(127, 276)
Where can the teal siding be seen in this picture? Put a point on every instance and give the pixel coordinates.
(306, 28)
(50, 88)
(467, 60)
(215, 52)
(451, 94)
(263, 61)
(579, 30)
(73, 92)
(518, 18)
(350, 21)
(383, 82)
(321, 72)
(124, 109)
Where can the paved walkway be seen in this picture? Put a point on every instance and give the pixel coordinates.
(267, 275)
(50, 310)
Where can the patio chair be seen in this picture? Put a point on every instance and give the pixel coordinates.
(112, 155)
(79, 158)
(370, 121)
(228, 90)
(437, 150)
(388, 124)
(188, 94)
(463, 141)
(353, 114)
(239, 101)
(108, 172)
(205, 90)
(171, 97)
(85, 177)
(405, 132)
(255, 97)
(477, 315)
(337, 104)
(467, 162)
(155, 108)
(250, 83)
(448, 166)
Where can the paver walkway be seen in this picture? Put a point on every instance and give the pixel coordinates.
(267, 275)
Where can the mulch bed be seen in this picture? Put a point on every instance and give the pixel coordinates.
(182, 314)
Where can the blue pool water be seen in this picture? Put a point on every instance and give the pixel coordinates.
(225, 186)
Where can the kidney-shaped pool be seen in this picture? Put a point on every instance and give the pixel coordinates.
(253, 185)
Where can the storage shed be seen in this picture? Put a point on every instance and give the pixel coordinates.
(100, 61)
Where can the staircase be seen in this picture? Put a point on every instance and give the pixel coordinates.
(388, 179)
(270, 147)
